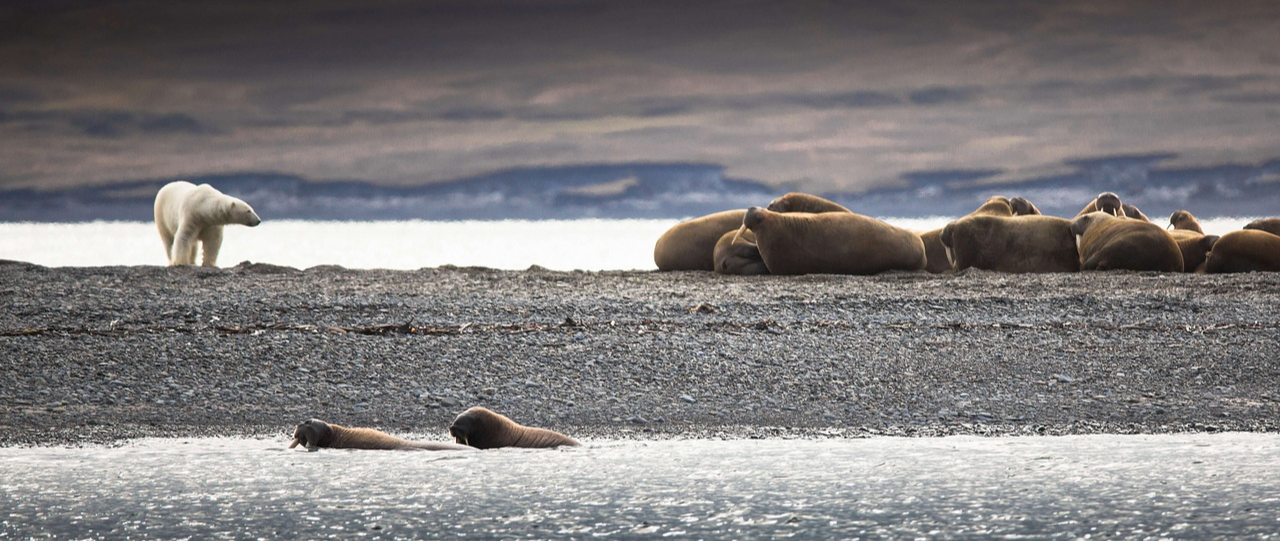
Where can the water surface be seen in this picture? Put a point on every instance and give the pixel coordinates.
(514, 244)
(1181, 486)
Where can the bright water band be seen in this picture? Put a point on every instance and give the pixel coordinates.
(1185, 486)
(554, 244)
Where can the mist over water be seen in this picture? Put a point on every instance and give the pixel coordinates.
(1171, 486)
(555, 244)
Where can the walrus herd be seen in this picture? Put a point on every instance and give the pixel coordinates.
(475, 429)
(803, 234)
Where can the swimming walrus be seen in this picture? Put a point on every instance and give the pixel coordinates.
(1246, 250)
(1105, 202)
(935, 254)
(1195, 248)
(689, 245)
(1011, 244)
(485, 429)
(1184, 221)
(1270, 225)
(832, 243)
(315, 433)
(803, 202)
(736, 253)
(1108, 242)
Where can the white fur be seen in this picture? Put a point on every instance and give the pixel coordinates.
(187, 214)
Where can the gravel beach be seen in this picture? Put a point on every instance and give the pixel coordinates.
(102, 354)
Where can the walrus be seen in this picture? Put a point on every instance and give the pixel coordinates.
(1195, 248)
(1105, 202)
(736, 253)
(485, 429)
(1270, 225)
(832, 243)
(1184, 221)
(1245, 251)
(1022, 207)
(315, 433)
(803, 202)
(1011, 244)
(1132, 211)
(689, 245)
(935, 254)
(1108, 242)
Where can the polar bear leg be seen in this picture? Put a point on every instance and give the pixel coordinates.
(210, 243)
(166, 237)
(184, 246)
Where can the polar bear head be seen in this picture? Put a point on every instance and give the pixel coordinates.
(236, 211)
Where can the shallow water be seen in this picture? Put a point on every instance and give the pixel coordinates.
(1180, 486)
(554, 244)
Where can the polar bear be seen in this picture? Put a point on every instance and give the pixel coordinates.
(187, 214)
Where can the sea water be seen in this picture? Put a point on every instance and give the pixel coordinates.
(554, 244)
(1185, 486)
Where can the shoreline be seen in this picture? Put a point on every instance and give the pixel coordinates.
(98, 355)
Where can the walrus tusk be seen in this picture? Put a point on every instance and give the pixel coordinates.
(295, 443)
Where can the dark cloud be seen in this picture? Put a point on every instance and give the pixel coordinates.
(171, 123)
(938, 95)
(14, 95)
(103, 123)
(1250, 98)
(106, 124)
(284, 96)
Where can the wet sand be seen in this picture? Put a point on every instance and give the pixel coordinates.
(101, 354)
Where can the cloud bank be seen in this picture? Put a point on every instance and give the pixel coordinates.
(814, 95)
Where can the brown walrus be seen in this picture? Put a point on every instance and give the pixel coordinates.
(1105, 202)
(736, 253)
(1108, 242)
(485, 429)
(1182, 220)
(1195, 248)
(1245, 251)
(1011, 244)
(832, 243)
(1132, 211)
(315, 433)
(803, 202)
(935, 254)
(1022, 207)
(689, 245)
(1270, 225)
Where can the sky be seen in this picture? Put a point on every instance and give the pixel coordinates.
(814, 95)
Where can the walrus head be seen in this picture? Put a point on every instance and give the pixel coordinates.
(997, 205)
(1132, 211)
(781, 204)
(1270, 225)
(1181, 219)
(1109, 203)
(311, 434)
(1083, 223)
(754, 216)
(1022, 207)
(474, 426)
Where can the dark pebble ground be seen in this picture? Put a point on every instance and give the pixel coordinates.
(102, 354)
